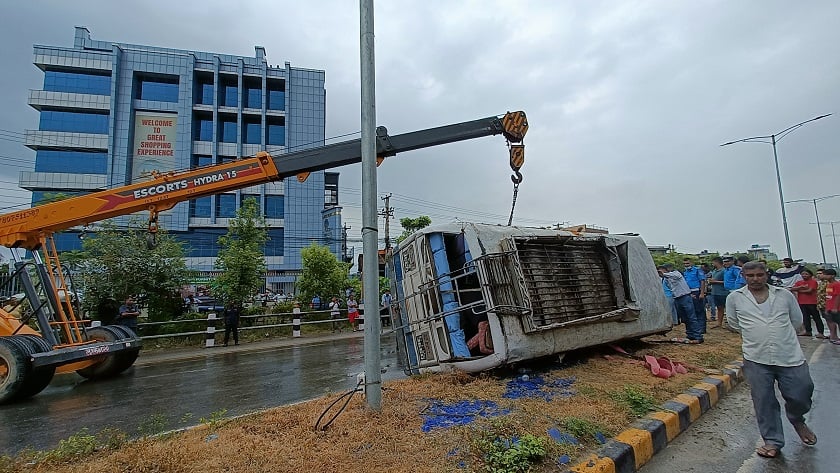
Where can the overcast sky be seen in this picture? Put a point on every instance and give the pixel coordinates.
(628, 103)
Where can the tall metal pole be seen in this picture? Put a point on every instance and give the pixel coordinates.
(781, 198)
(834, 235)
(370, 231)
(819, 230)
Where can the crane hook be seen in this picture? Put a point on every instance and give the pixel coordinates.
(516, 177)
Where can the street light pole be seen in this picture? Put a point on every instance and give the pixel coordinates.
(834, 236)
(775, 138)
(817, 215)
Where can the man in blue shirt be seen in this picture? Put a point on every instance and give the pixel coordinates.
(732, 278)
(670, 296)
(696, 280)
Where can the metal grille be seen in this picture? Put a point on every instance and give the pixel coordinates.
(566, 280)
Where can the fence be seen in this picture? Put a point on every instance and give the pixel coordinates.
(212, 324)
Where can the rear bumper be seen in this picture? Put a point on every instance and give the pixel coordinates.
(63, 356)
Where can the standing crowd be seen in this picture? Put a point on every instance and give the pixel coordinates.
(769, 309)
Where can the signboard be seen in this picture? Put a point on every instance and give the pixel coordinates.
(154, 143)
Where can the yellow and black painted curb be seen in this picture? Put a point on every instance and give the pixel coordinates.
(635, 446)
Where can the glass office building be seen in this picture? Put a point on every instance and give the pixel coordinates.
(110, 113)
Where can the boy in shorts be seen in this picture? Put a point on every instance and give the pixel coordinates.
(832, 304)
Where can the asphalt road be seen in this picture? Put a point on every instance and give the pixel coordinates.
(172, 390)
(724, 439)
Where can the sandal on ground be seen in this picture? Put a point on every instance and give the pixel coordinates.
(835, 342)
(804, 334)
(806, 435)
(820, 336)
(686, 341)
(767, 451)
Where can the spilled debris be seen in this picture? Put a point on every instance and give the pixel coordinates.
(440, 415)
(537, 387)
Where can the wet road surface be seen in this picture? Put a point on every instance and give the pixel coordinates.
(173, 392)
(724, 439)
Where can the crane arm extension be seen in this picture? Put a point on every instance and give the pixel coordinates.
(26, 228)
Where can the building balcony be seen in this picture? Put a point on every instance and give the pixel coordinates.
(65, 58)
(38, 139)
(31, 180)
(39, 99)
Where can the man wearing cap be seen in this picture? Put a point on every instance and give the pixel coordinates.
(682, 299)
(768, 319)
(788, 275)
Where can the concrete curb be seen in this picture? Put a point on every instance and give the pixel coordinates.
(628, 451)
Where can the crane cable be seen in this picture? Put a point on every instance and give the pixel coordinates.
(517, 159)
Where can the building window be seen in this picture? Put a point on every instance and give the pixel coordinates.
(46, 197)
(203, 88)
(203, 129)
(75, 122)
(226, 205)
(81, 162)
(200, 208)
(227, 130)
(245, 197)
(77, 83)
(274, 206)
(228, 91)
(226, 159)
(253, 92)
(158, 89)
(330, 189)
(251, 133)
(203, 242)
(200, 160)
(275, 134)
(274, 245)
(276, 95)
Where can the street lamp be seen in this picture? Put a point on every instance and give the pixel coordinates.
(834, 235)
(774, 138)
(817, 214)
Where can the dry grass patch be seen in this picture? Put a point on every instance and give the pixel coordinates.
(283, 439)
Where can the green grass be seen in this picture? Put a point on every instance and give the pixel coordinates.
(635, 399)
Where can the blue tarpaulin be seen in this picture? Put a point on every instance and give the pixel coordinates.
(537, 387)
(440, 415)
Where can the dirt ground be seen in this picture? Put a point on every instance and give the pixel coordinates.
(586, 389)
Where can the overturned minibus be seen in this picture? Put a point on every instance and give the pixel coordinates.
(474, 297)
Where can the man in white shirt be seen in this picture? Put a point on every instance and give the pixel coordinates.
(768, 319)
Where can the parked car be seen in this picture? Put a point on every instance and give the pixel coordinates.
(208, 304)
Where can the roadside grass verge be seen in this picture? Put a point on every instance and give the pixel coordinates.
(529, 434)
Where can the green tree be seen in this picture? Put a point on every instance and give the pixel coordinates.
(411, 225)
(323, 274)
(241, 259)
(116, 263)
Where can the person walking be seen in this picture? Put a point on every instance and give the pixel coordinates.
(768, 319)
(232, 314)
(685, 307)
(806, 294)
(353, 312)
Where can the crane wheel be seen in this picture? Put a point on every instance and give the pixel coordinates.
(39, 378)
(111, 365)
(127, 357)
(15, 367)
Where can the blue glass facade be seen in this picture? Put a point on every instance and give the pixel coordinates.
(222, 107)
(77, 82)
(74, 122)
(87, 162)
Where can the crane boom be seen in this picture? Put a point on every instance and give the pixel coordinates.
(28, 228)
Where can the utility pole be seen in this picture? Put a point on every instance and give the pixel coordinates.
(370, 229)
(387, 212)
(344, 242)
